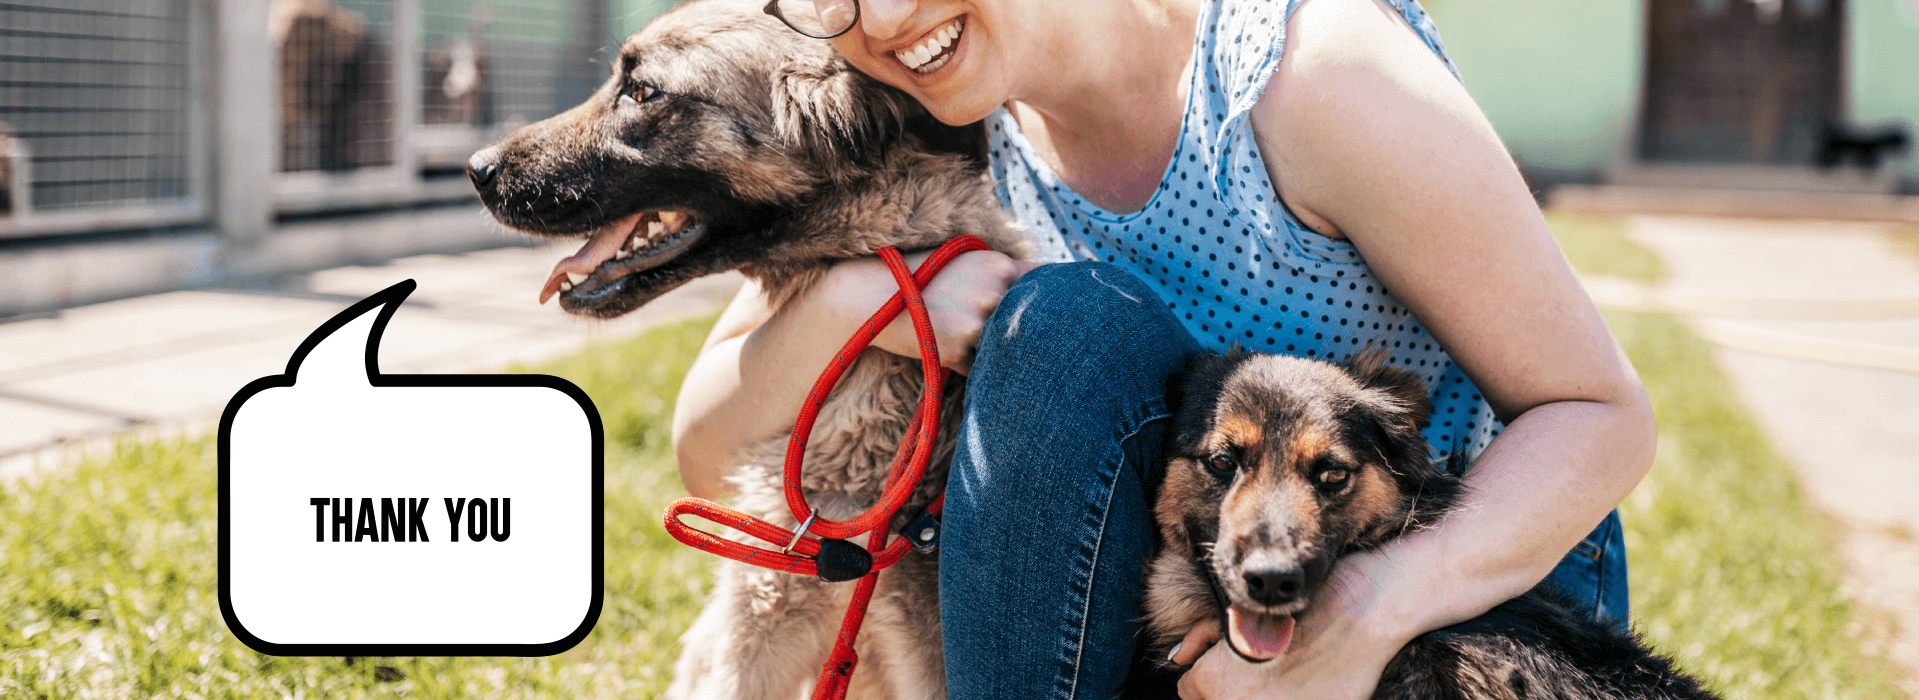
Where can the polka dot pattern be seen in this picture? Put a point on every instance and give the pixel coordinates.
(1219, 246)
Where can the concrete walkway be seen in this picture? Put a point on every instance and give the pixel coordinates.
(164, 364)
(1817, 324)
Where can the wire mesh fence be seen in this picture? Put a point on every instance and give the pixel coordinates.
(96, 98)
(102, 101)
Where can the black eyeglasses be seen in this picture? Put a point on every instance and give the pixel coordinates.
(820, 19)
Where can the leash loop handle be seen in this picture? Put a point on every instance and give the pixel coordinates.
(831, 557)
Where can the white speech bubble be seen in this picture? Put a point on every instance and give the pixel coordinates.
(409, 580)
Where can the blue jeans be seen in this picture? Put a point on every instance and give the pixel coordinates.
(1047, 522)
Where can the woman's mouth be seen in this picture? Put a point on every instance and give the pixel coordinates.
(928, 56)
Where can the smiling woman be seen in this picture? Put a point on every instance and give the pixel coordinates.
(1222, 172)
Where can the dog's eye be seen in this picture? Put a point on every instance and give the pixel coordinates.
(1333, 478)
(1222, 464)
(639, 92)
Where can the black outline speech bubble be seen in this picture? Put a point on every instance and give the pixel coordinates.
(389, 300)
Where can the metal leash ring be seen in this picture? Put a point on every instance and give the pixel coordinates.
(800, 531)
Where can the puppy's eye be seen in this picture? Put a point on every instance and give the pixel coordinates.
(1222, 464)
(1332, 479)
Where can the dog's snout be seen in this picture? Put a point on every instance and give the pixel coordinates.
(484, 167)
(1276, 586)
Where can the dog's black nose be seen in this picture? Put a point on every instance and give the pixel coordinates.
(1275, 586)
(483, 167)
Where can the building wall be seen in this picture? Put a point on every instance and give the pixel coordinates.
(1560, 79)
(1882, 82)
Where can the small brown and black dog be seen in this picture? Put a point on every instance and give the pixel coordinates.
(725, 141)
(1278, 466)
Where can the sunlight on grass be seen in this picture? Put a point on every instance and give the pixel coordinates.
(1907, 237)
(1732, 573)
(1597, 244)
(108, 583)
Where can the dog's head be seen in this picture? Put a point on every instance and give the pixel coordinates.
(1277, 467)
(716, 123)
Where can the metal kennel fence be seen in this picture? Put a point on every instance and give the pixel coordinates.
(112, 111)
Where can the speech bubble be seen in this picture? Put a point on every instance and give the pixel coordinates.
(369, 514)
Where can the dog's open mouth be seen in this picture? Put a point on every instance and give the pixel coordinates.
(1257, 637)
(636, 243)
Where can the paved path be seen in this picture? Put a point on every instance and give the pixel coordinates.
(1817, 324)
(167, 363)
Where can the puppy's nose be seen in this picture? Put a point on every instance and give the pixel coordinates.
(1275, 586)
(483, 167)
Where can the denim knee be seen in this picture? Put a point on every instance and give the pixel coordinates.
(1086, 321)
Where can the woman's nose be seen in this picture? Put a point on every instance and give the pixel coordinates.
(886, 19)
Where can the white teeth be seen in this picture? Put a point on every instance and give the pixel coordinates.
(575, 277)
(566, 286)
(653, 228)
(672, 218)
(621, 254)
(921, 58)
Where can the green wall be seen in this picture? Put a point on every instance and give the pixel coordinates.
(1560, 79)
(1882, 82)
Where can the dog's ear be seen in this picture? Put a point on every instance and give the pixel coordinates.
(834, 113)
(1396, 407)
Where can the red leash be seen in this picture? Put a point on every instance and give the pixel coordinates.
(830, 556)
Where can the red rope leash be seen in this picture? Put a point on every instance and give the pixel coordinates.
(830, 556)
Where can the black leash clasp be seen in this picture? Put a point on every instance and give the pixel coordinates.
(840, 560)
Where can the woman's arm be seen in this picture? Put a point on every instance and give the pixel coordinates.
(752, 376)
(1370, 138)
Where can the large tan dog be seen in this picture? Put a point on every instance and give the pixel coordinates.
(726, 141)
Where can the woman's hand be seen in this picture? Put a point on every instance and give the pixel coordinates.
(1340, 646)
(959, 300)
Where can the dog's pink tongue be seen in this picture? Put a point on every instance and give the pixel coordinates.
(601, 246)
(1261, 637)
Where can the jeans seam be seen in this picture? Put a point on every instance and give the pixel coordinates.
(1106, 508)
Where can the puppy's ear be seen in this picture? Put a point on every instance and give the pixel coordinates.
(834, 113)
(1396, 406)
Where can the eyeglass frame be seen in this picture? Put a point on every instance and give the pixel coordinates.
(773, 8)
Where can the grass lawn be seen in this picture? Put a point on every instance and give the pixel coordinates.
(1597, 245)
(1908, 236)
(108, 573)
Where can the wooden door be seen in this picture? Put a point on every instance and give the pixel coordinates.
(1740, 81)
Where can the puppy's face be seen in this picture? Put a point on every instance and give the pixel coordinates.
(716, 121)
(1279, 466)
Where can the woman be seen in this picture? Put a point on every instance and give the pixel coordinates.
(1248, 172)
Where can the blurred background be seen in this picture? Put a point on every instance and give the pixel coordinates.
(189, 187)
(207, 140)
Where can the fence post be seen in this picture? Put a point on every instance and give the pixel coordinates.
(246, 119)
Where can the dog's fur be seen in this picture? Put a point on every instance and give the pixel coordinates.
(1281, 464)
(784, 159)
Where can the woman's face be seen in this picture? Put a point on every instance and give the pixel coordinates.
(957, 57)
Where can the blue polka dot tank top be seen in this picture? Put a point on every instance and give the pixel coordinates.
(1221, 250)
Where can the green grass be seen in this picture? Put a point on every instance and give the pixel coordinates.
(1907, 236)
(107, 570)
(1732, 571)
(1597, 244)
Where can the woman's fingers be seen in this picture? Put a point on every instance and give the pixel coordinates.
(1202, 637)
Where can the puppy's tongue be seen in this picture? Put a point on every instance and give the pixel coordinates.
(601, 246)
(1258, 637)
